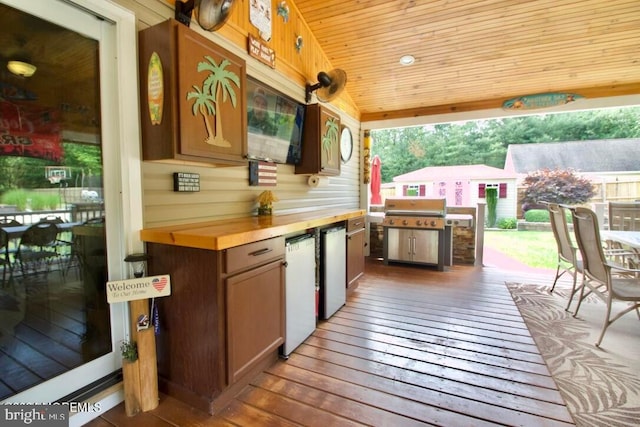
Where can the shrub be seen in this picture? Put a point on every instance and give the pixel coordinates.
(507, 223)
(43, 201)
(556, 186)
(16, 197)
(537, 215)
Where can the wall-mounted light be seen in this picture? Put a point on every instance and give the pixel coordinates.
(21, 68)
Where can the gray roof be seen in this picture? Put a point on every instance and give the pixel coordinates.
(603, 155)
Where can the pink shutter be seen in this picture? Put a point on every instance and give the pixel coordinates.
(481, 190)
(502, 193)
(423, 190)
(404, 190)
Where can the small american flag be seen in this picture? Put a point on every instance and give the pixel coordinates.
(263, 174)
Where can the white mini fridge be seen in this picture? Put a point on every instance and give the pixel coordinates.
(300, 291)
(333, 270)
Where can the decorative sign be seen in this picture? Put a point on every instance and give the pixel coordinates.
(260, 17)
(30, 131)
(261, 52)
(155, 89)
(186, 182)
(540, 100)
(139, 288)
(206, 100)
(264, 174)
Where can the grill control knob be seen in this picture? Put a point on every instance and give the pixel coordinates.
(405, 222)
(433, 223)
(418, 223)
(390, 222)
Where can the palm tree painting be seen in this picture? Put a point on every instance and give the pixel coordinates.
(206, 99)
(330, 139)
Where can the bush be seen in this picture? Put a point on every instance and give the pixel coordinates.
(507, 223)
(17, 198)
(556, 186)
(537, 215)
(44, 201)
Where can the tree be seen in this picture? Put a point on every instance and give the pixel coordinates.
(555, 186)
(485, 142)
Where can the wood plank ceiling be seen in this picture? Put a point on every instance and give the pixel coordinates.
(472, 54)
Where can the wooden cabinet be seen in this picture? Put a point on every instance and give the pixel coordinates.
(321, 142)
(192, 97)
(225, 315)
(355, 250)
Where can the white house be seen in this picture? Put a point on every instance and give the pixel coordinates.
(461, 185)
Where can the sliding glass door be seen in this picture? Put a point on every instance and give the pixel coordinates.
(61, 226)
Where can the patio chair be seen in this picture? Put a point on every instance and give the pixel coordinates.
(568, 259)
(624, 216)
(64, 246)
(37, 249)
(599, 273)
(5, 257)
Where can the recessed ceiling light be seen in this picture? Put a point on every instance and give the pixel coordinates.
(407, 59)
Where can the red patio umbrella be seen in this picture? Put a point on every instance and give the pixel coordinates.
(376, 165)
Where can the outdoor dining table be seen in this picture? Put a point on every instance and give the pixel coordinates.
(627, 238)
(15, 231)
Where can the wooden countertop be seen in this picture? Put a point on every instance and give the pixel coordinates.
(227, 233)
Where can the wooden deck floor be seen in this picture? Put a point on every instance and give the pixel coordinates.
(412, 346)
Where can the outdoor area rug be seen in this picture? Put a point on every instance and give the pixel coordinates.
(601, 386)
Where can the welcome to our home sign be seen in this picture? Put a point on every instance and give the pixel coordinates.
(139, 288)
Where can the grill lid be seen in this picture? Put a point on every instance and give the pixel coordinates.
(414, 206)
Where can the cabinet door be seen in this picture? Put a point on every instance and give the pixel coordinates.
(329, 142)
(399, 244)
(255, 316)
(355, 256)
(213, 123)
(321, 142)
(425, 246)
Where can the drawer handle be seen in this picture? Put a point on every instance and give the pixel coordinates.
(261, 252)
(355, 224)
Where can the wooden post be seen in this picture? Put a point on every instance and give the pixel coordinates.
(147, 361)
(131, 379)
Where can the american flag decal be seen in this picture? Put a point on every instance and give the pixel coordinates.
(263, 174)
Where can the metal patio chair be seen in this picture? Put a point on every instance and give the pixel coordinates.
(600, 276)
(37, 250)
(568, 259)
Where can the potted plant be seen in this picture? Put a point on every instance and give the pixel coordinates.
(129, 351)
(265, 200)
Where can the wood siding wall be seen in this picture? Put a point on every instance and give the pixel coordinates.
(225, 191)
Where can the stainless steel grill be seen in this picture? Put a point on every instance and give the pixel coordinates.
(415, 232)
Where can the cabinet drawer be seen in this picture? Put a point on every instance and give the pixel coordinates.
(355, 224)
(245, 256)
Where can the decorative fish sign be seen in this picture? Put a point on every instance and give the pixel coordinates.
(539, 100)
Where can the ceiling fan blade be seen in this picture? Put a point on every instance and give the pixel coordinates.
(338, 80)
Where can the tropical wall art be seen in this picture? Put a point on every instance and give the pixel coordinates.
(219, 86)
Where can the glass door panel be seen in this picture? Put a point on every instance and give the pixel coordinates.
(53, 311)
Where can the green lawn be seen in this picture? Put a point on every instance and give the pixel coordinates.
(534, 248)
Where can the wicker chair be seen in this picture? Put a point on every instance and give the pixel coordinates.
(600, 276)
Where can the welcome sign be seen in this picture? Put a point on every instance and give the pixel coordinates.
(138, 288)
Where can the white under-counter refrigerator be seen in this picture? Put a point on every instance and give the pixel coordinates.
(333, 270)
(300, 291)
